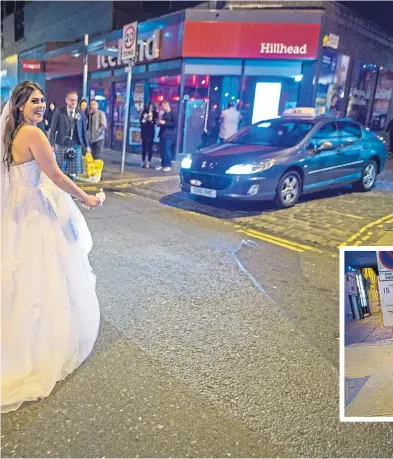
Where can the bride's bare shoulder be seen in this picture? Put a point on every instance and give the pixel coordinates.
(27, 139)
(28, 130)
(29, 134)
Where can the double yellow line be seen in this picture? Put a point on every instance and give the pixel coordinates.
(362, 231)
(294, 246)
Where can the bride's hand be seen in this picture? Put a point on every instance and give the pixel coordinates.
(91, 201)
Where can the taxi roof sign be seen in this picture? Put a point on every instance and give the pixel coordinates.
(308, 112)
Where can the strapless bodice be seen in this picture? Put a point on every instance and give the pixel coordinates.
(25, 175)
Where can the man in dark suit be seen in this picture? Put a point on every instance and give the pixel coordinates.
(68, 134)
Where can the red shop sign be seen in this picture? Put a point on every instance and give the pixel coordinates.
(251, 40)
(32, 66)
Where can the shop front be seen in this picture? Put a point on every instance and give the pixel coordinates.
(156, 76)
(355, 77)
(9, 77)
(198, 70)
(267, 63)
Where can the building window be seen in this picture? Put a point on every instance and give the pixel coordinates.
(331, 83)
(19, 25)
(360, 95)
(383, 94)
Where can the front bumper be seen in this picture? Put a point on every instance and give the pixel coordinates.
(232, 186)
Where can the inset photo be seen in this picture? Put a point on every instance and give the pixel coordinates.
(366, 334)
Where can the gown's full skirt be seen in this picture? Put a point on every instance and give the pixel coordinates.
(49, 309)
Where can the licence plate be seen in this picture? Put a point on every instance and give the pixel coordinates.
(203, 192)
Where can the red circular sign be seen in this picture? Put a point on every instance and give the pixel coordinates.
(386, 258)
(129, 37)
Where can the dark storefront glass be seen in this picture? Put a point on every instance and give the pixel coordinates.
(383, 94)
(205, 97)
(331, 83)
(137, 105)
(363, 81)
(164, 88)
(118, 114)
(101, 91)
(282, 91)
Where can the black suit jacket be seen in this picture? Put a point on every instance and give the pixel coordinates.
(61, 127)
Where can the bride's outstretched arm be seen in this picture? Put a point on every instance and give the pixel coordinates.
(40, 147)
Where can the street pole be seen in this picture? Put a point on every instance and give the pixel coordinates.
(127, 114)
(85, 67)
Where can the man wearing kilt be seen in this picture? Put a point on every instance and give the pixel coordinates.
(68, 134)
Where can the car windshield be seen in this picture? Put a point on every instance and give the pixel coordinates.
(274, 133)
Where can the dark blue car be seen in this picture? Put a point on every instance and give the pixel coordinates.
(285, 157)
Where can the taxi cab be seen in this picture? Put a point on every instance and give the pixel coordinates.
(282, 158)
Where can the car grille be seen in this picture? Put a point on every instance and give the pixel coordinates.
(211, 181)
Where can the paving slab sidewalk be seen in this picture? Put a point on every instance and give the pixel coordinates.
(369, 368)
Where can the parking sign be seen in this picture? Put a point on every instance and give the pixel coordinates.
(385, 268)
(129, 41)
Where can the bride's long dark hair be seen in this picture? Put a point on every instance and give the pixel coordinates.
(20, 95)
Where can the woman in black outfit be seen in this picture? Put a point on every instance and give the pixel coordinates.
(49, 115)
(148, 121)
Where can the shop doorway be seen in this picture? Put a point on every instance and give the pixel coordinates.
(119, 91)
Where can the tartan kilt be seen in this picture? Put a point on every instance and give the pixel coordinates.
(73, 166)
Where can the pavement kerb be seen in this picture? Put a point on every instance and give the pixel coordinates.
(125, 184)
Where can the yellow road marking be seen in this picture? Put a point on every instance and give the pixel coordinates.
(272, 241)
(120, 193)
(89, 188)
(123, 185)
(147, 181)
(284, 241)
(364, 229)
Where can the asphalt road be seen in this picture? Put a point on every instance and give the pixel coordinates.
(206, 349)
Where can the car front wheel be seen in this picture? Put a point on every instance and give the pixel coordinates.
(369, 176)
(288, 190)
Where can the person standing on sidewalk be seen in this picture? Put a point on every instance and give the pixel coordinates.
(96, 129)
(167, 133)
(67, 135)
(148, 121)
(48, 117)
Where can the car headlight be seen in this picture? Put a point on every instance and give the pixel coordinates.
(243, 169)
(186, 163)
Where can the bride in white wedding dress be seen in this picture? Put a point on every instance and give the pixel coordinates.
(49, 309)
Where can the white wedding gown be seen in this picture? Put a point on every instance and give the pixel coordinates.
(49, 309)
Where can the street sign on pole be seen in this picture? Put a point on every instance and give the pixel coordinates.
(385, 270)
(130, 32)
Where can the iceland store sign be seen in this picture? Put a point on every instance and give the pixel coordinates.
(147, 50)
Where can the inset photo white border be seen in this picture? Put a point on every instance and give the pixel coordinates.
(343, 417)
